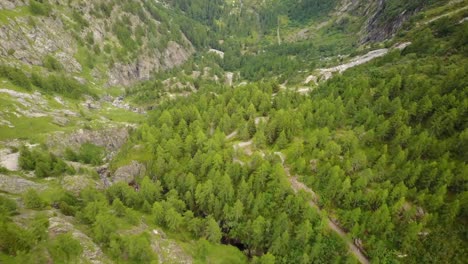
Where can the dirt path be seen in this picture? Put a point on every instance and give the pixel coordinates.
(327, 73)
(232, 135)
(243, 144)
(445, 15)
(297, 186)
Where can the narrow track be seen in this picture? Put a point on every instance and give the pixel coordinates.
(297, 186)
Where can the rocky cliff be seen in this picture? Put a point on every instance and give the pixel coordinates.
(381, 25)
(382, 18)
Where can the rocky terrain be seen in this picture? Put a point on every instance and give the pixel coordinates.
(73, 32)
(121, 52)
(325, 74)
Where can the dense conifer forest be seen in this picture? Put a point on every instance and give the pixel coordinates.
(367, 166)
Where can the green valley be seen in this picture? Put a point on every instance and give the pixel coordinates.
(211, 131)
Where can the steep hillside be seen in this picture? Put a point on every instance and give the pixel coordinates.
(108, 42)
(211, 131)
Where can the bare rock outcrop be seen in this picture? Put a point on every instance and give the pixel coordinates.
(126, 74)
(129, 173)
(377, 29)
(10, 4)
(92, 253)
(9, 159)
(111, 138)
(17, 185)
(77, 183)
(27, 40)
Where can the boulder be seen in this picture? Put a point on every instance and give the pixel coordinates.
(129, 173)
(17, 185)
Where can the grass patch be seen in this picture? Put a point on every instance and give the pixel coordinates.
(35, 129)
(6, 14)
(122, 115)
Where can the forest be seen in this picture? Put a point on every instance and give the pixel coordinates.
(382, 148)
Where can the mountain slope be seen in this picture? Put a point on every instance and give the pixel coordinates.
(216, 151)
(116, 43)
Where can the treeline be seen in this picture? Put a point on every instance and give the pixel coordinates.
(196, 185)
(53, 83)
(384, 145)
(43, 163)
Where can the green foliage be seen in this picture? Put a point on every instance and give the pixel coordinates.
(213, 232)
(210, 195)
(383, 145)
(386, 138)
(81, 22)
(14, 239)
(103, 227)
(32, 200)
(64, 248)
(44, 164)
(7, 206)
(40, 7)
(135, 248)
(39, 227)
(118, 207)
(124, 34)
(52, 63)
(88, 153)
(53, 83)
(16, 76)
(61, 84)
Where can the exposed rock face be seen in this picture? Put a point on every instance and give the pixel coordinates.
(10, 4)
(77, 183)
(27, 40)
(129, 173)
(167, 249)
(111, 138)
(9, 160)
(378, 26)
(17, 185)
(379, 30)
(126, 74)
(217, 52)
(92, 253)
(32, 43)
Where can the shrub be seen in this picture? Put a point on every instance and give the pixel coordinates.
(52, 63)
(26, 159)
(88, 153)
(32, 200)
(44, 164)
(38, 8)
(16, 76)
(7, 206)
(14, 238)
(81, 22)
(64, 248)
(61, 84)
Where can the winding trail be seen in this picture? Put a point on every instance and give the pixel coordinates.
(446, 14)
(327, 73)
(232, 135)
(297, 186)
